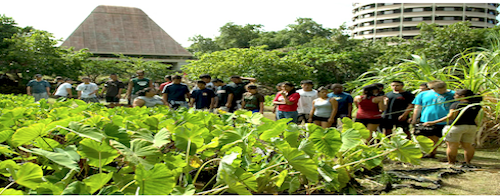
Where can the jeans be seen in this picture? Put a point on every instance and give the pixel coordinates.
(293, 115)
(39, 96)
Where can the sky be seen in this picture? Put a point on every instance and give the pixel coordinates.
(181, 19)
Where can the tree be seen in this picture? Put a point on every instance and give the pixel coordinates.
(257, 62)
(202, 45)
(237, 36)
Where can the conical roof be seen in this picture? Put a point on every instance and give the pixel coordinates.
(126, 30)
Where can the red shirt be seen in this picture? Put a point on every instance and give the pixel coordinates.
(367, 109)
(162, 85)
(288, 108)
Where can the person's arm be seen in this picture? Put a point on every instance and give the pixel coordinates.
(249, 79)
(138, 103)
(243, 103)
(104, 90)
(261, 106)
(356, 101)
(404, 116)
(212, 103)
(416, 114)
(129, 90)
(230, 98)
(451, 115)
(381, 103)
(48, 90)
(191, 102)
(349, 110)
(79, 94)
(28, 90)
(70, 94)
(335, 106)
(312, 112)
(119, 95)
(151, 84)
(165, 99)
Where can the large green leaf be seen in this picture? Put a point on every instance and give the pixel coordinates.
(46, 143)
(349, 124)
(97, 181)
(5, 135)
(326, 141)
(272, 129)
(29, 175)
(301, 162)
(64, 158)
(425, 144)
(86, 131)
(8, 164)
(161, 138)
(28, 134)
(76, 188)
(403, 150)
(350, 139)
(189, 134)
(157, 181)
(48, 188)
(114, 132)
(97, 152)
(140, 152)
(11, 192)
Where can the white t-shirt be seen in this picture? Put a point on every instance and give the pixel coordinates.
(150, 102)
(62, 89)
(305, 101)
(87, 89)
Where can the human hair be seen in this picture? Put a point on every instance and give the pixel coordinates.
(424, 84)
(368, 91)
(469, 95)
(437, 84)
(336, 85)
(279, 84)
(113, 74)
(169, 77)
(236, 76)
(306, 82)
(397, 81)
(140, 72)
(322, 88)
(251, 86)
(144, 91)
(177, 77)
(201, 82)
(290, 85)
(67, 79)
(379, 85)
(217, 80)
(205, 76)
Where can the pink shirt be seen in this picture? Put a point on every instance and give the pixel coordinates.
(288, 108)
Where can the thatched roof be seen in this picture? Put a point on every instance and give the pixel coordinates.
(126, 30)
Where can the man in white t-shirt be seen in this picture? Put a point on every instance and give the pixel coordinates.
(64, 90)
(307, 95)
(87, 91)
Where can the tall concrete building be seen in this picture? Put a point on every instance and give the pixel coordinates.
(377, 20)
(110, 30)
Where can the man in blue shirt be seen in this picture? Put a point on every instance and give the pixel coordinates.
(176, 93)
(344, 99)
(39, 88)
(432, 105)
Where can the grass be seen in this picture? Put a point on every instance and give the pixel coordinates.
(482, 181)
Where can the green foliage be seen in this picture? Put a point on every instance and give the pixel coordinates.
(157, 181)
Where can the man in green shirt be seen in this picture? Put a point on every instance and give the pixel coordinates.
(137, 84)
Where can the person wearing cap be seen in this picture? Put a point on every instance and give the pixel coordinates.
(87, 91)
(64, 90)
(253, 100)
(38, 88)
(237, 89)
(113, 88)
(168, 80)
(208, 81)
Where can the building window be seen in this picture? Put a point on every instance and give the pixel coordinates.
(418, 9)
(449, 18)
(387, 21)
(449, 9)
(389, 12)
(388, 4)
(366, 32)
(366, 24)
(417, 19)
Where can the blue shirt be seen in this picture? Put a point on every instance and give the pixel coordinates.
(344, 100)
(434, 106)
(38, 87)
(203, 98)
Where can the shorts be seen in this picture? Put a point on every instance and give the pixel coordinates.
(390, 123)
(91, 99)
(112, 99)
(435, 130)
(302, 118)
(460, 133)
(369, 121)
(176, 104)
(39, 96)
(317, 118)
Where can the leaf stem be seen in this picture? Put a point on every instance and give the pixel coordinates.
(7, 187)
(213, 190)
(367, 159)
(127, 185)
(199, 170)
(275, 165)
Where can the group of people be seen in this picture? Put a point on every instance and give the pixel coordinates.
(434, 109)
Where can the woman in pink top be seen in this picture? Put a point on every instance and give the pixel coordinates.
(287, 102)
(370, 108)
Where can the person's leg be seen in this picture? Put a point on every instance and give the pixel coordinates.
(293, 115)
(372, 128)
(302, 118)
(279, 115)
(434, 139)
(451, 152)
(325, 124)
(469, 151)
(37, 96)
(317, 122)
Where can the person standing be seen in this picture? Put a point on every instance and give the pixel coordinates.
(324, 109)
(222, 92)
(38, 88)
(137, 84)
(59, 80)
(344, 100)
(208, 81)
(287, 101)
(398, 109)
(175, 94)
(64, 90)
(432, 105)
(168, 80)
(307, 96)
(370, 108)
(253, 100)
(113, 88)
(464, 130)
(202, 98)
(87, 91)
(237, 89)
